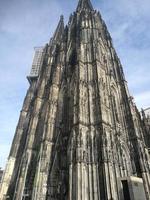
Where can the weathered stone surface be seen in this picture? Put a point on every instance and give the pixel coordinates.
(1, 174)
(79, 131)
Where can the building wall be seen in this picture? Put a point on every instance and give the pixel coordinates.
(79, 131)
(1, 174)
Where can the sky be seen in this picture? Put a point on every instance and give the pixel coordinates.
(30, 23)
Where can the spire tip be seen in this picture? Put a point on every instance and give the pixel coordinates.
(61, 17)
(84, 4)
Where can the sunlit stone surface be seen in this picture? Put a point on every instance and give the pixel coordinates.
(79, 132)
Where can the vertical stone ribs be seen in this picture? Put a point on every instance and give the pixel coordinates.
(79, 132)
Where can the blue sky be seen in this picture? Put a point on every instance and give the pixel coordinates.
(30, 23)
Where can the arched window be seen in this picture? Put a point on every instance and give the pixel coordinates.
(115, 110)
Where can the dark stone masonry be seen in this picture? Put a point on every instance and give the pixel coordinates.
(80, 136)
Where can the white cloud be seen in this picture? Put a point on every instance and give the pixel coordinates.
(143, 99)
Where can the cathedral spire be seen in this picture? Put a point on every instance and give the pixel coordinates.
(59, 30)
(79, 136)
(84, 5)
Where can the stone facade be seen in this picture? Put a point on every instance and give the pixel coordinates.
(79, 131)
(146, 126)
(1, 174)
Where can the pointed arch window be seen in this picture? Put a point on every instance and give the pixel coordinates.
(115, 108)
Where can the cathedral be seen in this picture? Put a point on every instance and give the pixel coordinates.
(80, 135)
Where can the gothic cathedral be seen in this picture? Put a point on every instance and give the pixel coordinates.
(80, 136)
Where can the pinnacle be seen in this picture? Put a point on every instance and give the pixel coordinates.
(62, 18)
(84, 5)
(59, 29)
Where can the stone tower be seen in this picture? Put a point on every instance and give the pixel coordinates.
(79, 132)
